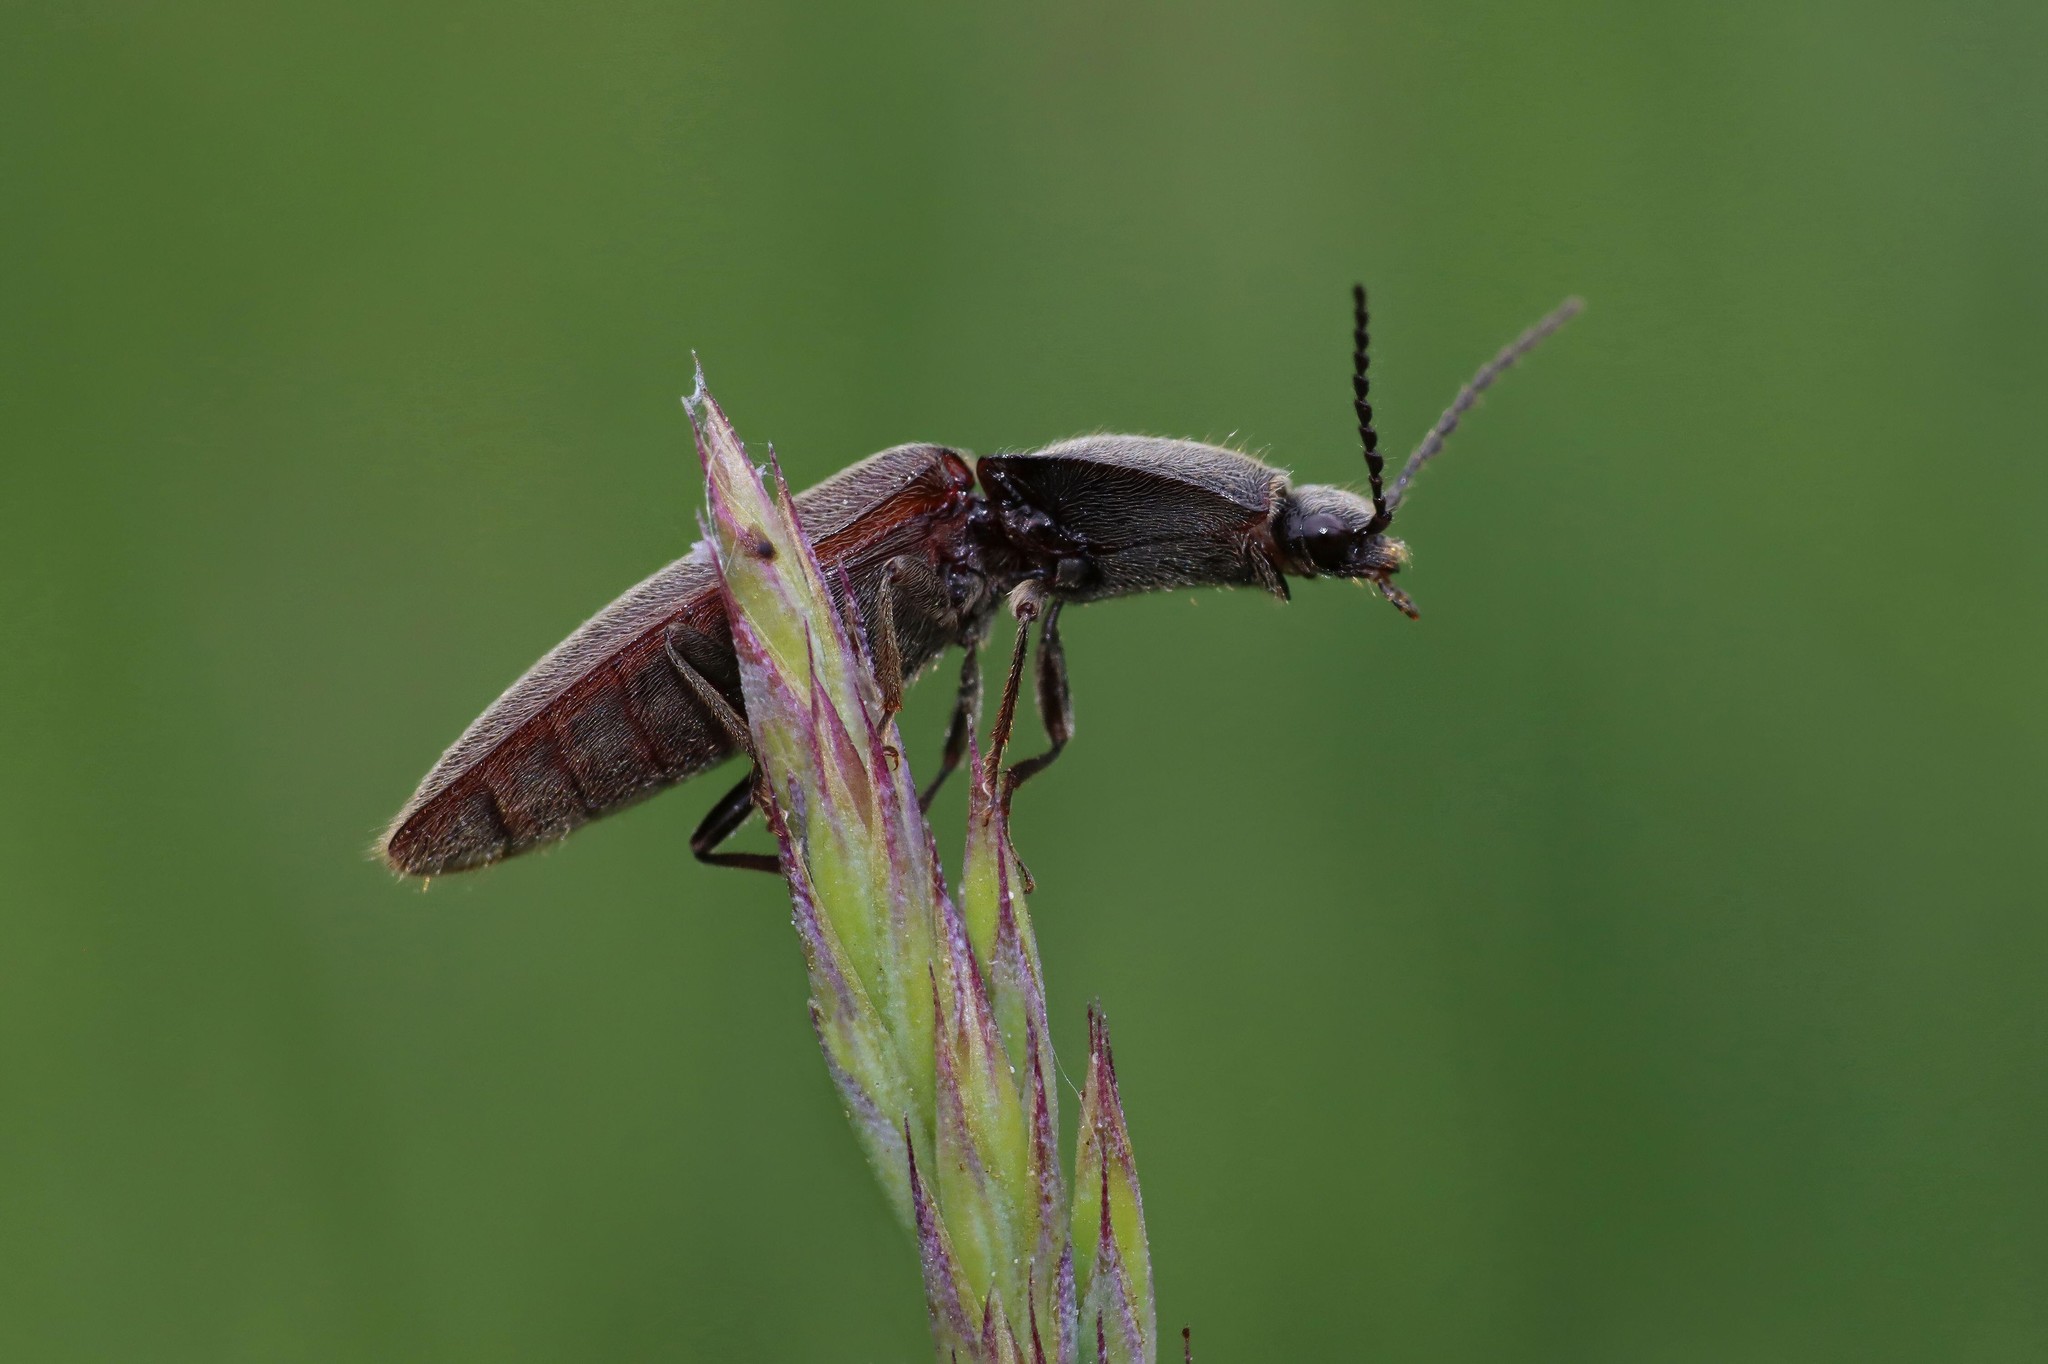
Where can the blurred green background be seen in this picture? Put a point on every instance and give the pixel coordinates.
(1641, 959)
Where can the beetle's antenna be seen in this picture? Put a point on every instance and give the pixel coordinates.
(1361, 386)
(1469, 394)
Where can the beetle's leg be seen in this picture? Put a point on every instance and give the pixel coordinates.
(1403, 603)
(965, 710)
(1055, 702)
(1025, 604)
(888, 652)
(730, 721)
(724, 819)
(722, 822)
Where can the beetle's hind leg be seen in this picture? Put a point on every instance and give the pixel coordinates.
(722, 822)
(726, 817)
(729, 721)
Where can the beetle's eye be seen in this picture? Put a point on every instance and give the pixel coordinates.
(1326, 540)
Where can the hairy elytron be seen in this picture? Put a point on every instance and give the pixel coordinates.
(647, 693)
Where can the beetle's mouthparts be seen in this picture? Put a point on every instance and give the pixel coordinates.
(1381, 556)
(1400, 600)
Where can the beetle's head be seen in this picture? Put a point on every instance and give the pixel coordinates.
(1334, 533)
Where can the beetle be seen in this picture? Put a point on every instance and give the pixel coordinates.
(646, 693)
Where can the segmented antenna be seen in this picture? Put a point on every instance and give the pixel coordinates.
(1361, 386)
(1469, 394)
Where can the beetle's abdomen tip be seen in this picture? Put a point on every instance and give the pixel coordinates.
(440, 837)
(399, 854)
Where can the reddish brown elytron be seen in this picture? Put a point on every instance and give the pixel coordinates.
(609, 717)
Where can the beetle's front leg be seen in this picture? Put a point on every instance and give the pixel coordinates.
(1055, 701)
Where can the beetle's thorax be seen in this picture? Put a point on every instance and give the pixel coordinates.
(1017, 540)
(1110, 515)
